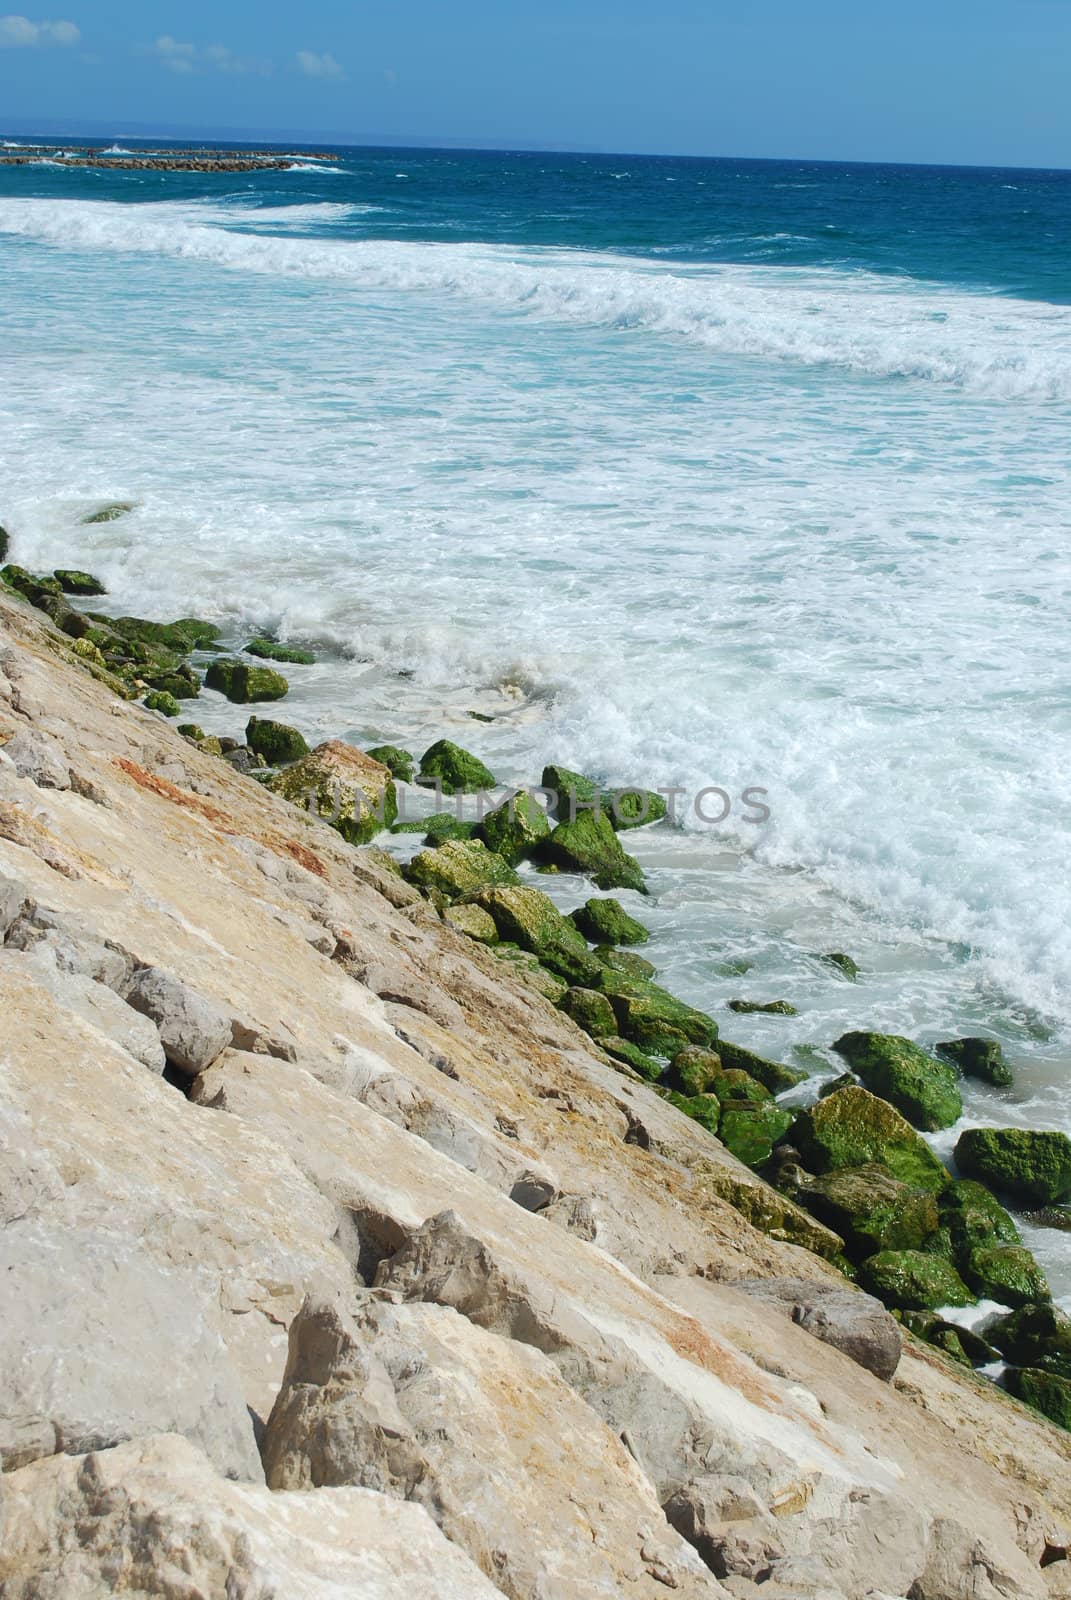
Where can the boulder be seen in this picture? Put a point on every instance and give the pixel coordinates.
(342, 785)
(570, 791)
(766, 1008)
(843, 963)
(573, 793)
(853, 1128)
(590, 1010)
(773, 1075)
(590, 846)
(458, 868)
(270, 650)
(702, 1108)
(633, 808)
(630, 1055)
(694, 1070)
(32, 587)
(72, 581)
(626, 961)
(5, 543)
(751, 1129)
(1035, 1336)
(1025, 1163)
(277, 742)
(152, 1519)
(606, 922)
(446, 766)
(846, 1318)
(912, 1280)
(974, 1218)
(1044, 1391)
(420, 1404)
(529, 918)
(473, 921)
(100, 1344)
(444, 825)
(514, 828)
(243, 684)
(923, 1089)
(398, 762)
(872, 1210)
(1005, 1273)
(109, 513)
(193, 1029)
(978, 1058)
(530, 970)
(653, 1018)
(180, 681)
(188, 633)
(163, 702)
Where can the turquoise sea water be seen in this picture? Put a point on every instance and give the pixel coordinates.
(684, 472)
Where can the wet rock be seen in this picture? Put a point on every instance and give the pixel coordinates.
(768, 1008)
(399, 764)
(702, 1108)
(1044, 1391)
(277, 742)
(974, 1218)
(978, 1058)
(606, 922)
(626, 961)
(923, 1089)
(853, 1128)
(1026, 1163)
(188, 633)
(5, 543)
(32, 587)
(243, 684)
(653, 1018)
(694, 1070)
(108, 513)
(573, 793)
(72, 581)
(914, 1281)
(270, 650)
(453, 770)
(843, 963)
(181, 682)
(529, 968)
(590, 1011)
(846, 1318)
(1035, 1336)
(631, 1056)
(1005, 1273)
(457, 869)
(590, 846)
(473, 921)
(633, 808)
(529, 918)
(341, 784)
(515, 828)
(442, 826)
(872, 1210)
(773, 1075)
(165, 703)
(750, 1126)
(193, 1029)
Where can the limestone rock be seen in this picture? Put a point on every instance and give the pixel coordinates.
(193, 1029)
(94, 1002)
(152, 1520)
(38, 758)
(530, 918)
(846, 1318)
(345, 787)
(458, 868)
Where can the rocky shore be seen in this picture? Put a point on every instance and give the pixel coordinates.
(373, 1224)
(169, 160)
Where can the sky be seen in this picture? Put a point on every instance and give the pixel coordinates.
(957, 81)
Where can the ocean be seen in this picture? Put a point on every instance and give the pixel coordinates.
(716, 475)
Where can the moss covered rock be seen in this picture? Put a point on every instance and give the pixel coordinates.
(1043, 1391)
(852, 1128)
(973, 1219)
(872, 1210)
(773, 1075)
(978, 1058)
(32, 588)
(109, 513)
(473, 921)
(71, 581)
(924, 1090)
(633, 808)
(1023, 1162)
(180, 681)
(269, 650)
(277, 742)
(339, 783)
(570, 791)
(515, 828)
(458, 869)
(86, 650)
(694, 1070)
(913, 1280)
(590, 1010)
(843, 963)
(444, 825)
(625, 961)
(531, 970)
(1035, 1336)
(767, 1008)
(590, 845)
(632, 1056)
(751, 1129)
(398, 762)
(529, 918)
(188, 633)
(163, 702)
(623, 808)
(653, 1018)
(243, 684)
(606, 922)
(1006, 1273)
(454, 770)
(702, 1108)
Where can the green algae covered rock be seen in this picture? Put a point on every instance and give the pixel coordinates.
(86, 650)
(188, 633)
(694, 1070)
(473, 921)
(109, 513)
(751, 1129)
(530, 969)
(1022, 1162)
(572, 791)
(277, 742)
(457, 869)
(5, 543)
(972, 1218)
(632, 1056)
(71, 581)
(702, 1108)
(590, 1010)
(653, 1018)
(768, 1008)
(853, 1127)
(456, 771)
(243, 684)
(913, 1280)
(872, 1210)
(1006, 1273)
(843, 963)
(924, 1090)
(607, 922)
(529, 918)
(773, 1075)
(590, 845)
(978, 1058)
(30, 587)
(444, 825)
(163, 702)
(339, 783)
(269, 650)
(633, 808)
(1043, 1391)
(733, 1085)
(1035, 1336)
(515, 828)
(400, 765)
(625, 961)
(623, 808)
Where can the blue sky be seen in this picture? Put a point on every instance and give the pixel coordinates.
(983, 81)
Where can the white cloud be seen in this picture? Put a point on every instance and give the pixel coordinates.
(318, 66)
(182, 57)
(16, 31)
